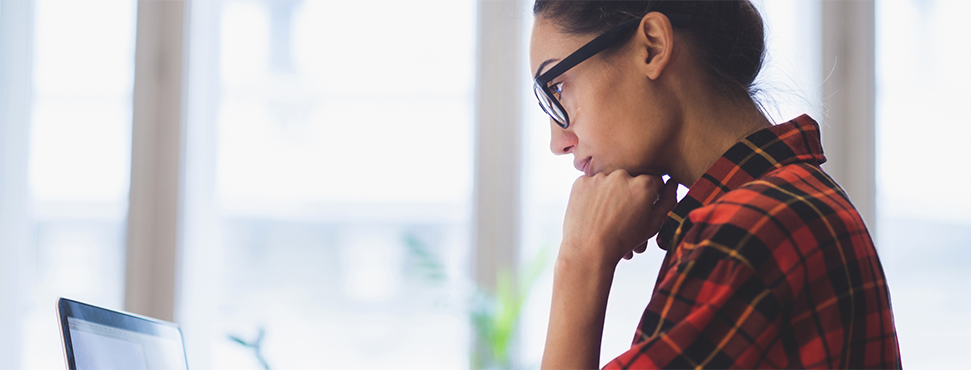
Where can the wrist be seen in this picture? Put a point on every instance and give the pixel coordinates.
(574, 266)
(587, 257)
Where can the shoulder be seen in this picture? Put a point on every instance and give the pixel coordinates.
(793, 195)
(794, 207)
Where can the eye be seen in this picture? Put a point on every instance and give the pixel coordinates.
(556, 89)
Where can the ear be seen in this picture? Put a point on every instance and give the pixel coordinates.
(655, 43)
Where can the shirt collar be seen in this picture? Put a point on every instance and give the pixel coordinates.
(761, 152)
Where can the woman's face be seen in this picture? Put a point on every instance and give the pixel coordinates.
(619, 117)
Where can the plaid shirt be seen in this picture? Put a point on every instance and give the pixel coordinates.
(773, 268)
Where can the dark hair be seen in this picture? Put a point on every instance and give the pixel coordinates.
(727, 37)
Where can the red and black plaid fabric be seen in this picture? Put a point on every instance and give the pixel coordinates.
(772, 267)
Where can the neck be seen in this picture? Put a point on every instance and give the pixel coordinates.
(711, 126)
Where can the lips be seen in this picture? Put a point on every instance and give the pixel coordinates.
(583, 165)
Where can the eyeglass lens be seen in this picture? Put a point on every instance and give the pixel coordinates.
(549, 106)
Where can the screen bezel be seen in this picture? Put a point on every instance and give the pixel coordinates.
(122, 320)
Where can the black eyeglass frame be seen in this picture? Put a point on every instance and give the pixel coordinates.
(598, 44)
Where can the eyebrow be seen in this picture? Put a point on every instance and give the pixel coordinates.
(541, 65)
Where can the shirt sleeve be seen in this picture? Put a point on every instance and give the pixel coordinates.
(710, 310)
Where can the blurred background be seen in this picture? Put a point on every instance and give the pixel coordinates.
(369, 185)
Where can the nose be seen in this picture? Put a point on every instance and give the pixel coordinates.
(562, 140)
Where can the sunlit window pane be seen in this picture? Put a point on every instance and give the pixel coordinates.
(78, 165)
(924, 230)
(340, 190)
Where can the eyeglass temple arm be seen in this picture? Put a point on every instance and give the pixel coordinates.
(602, 42)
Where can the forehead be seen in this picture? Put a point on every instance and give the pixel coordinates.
(548, 42)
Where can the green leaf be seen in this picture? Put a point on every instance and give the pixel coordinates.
(427, 263)
(238, 340)
(496, 316)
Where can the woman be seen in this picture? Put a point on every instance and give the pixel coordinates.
(768, 264)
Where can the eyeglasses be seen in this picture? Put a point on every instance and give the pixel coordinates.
(549, 97)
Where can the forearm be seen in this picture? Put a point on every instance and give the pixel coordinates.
(580, 290)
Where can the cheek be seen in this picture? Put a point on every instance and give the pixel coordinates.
(598, 115)
(626, 127)
(612, 94)
(608, 111)
(592, 105)
(587, 92)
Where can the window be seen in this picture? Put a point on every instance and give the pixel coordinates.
(924, 233)
(71, 139)
(340, 185)
(328, 177)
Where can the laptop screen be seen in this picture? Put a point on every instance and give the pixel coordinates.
(98, 338)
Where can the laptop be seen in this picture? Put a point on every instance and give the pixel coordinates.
(97, 338)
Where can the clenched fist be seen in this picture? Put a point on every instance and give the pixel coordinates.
(610, 216)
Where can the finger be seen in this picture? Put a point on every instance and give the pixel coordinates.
(619, 173)
(668, 198)
(629, 255)
(653, 184)
(641, 248)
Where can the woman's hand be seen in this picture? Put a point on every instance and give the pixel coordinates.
(611, 216)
